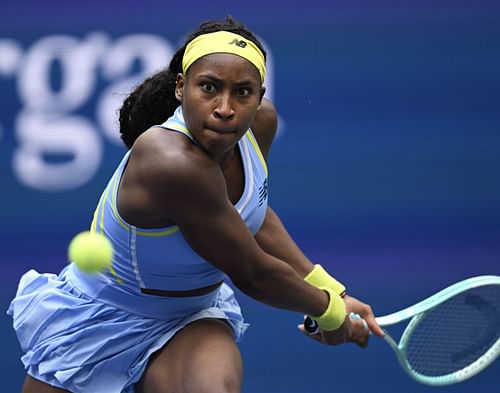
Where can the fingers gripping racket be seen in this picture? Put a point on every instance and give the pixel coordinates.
(451, 336)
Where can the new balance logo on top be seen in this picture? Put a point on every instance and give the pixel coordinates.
(263, 193)
(239, 43)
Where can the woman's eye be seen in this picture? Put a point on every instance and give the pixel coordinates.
(244, 91)
(209, 87)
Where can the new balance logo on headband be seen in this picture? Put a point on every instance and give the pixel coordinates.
(239, 43)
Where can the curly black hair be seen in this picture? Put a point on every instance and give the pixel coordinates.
(153, 101)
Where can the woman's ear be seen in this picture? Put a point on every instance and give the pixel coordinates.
(179, 86)
(262, 92)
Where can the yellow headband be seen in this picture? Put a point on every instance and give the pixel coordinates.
(224, 42)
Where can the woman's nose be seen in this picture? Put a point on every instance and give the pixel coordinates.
(224, 108)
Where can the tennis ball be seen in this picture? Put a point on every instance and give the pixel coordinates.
(91, 252)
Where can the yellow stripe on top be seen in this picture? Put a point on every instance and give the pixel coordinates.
(167, 232)
(176, 126)
(94, 221)
(106, 192)
(100, 206)
(256, 147)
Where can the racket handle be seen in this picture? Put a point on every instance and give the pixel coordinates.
(356, 317)
(312, 327)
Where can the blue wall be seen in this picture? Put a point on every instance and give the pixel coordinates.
(386, 168)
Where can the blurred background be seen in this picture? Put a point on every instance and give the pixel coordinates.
(386, 168)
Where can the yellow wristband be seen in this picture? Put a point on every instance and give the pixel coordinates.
(334, 314)
(319, 277)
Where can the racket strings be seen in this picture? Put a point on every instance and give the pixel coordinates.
(456, 333)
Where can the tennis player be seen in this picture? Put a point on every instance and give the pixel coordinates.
(186, 208)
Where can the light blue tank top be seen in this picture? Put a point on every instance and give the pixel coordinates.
(160, 258)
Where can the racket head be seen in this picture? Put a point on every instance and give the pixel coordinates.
(456, 337)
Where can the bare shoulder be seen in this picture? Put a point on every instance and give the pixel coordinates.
(165, 173)
(264, 126)
(168, 156)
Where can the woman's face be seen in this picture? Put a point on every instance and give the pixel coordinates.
(219, 94)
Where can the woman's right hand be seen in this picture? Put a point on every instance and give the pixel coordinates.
(350, 331)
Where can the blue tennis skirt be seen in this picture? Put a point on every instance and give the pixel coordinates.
(76, 342)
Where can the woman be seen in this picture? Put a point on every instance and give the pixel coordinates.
(186, 207)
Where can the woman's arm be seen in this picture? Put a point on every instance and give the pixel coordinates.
(274, 239)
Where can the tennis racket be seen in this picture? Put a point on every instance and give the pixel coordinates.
(451, 336)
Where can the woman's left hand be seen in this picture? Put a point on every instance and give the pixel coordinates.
(353, 330)
(364, 310)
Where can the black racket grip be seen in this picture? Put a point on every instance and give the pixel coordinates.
(311, 326)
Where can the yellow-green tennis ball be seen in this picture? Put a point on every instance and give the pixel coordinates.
(91, 252)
